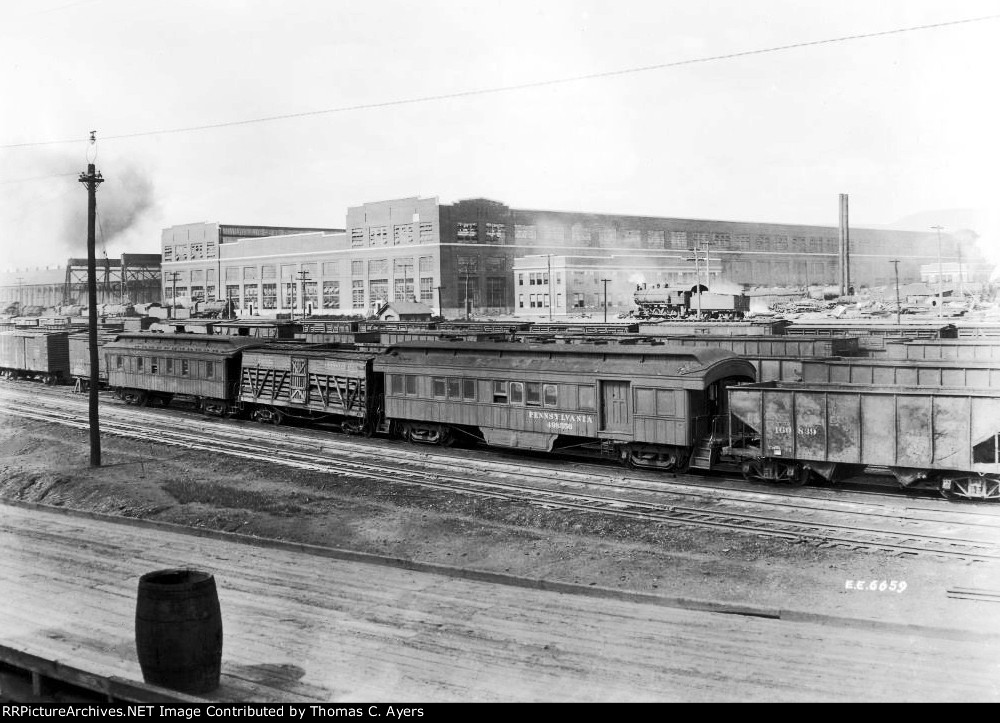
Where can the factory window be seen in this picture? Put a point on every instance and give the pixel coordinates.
(270, 295)
(742, 242)
(378, 236)
(496, 232)
(531, 301)
(532, 279)
(496, 264)
(587, 397)
(181, 253)
(185, 368)
(357, 294)
(607, 237)
(210, 293)
(426, 264)
(232, 273)
(378, 291)
(654, 239)
(722, 240)
(762, 242)
(533, 394)
(331, 294)
(780, 243)
(559, 301)
(520, 301)
(678, 239)
(168, 253)
(249, 273)
(799, 244)
(198, 251)
(402, 289)
(426, 233)
(526, 233)
(631, 238)
(517, 392)
(402, 234)
(700, 239)
(467, 231)
(552, 233)
(551, 395)
(439, 386)
(545, 305)
(496, 291)
(288, 271)
(309, 294)
(411, 385)
(499, 392)
(357, 268)
(403, 267)
(468, 264)
(268, 271)
(250, 295)
(520, 279)
(310, 270)
(197, 293)
(357, 238)
(198, 276)
(331, 268)
(233, 293)
(427, 289)
(378, 268)
(211, 250)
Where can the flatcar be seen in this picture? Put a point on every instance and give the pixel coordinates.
(650, 407)
(316, 382)
(201, 368)
(944, 438)
(41, 355)
(891, 372)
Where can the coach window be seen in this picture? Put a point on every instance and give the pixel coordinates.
(551, 395)
(209, 370)
(118, 361)
(517, 392)
(454, 388)
(397, 384)
(154, 365)
(499, 392)
(469, 389)
(439, 387)
(533, 394)
(411, 385)
(138, 364)
(184, 367)
(587, 399)
(170, 366)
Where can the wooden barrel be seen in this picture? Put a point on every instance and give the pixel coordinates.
(178, 630)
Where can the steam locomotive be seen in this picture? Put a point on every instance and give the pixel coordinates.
(661, 301)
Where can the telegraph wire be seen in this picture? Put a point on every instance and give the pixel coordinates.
(518, 86)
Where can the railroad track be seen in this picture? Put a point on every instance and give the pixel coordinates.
(859, 526)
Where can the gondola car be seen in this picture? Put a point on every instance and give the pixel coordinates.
(945, 438)
(885, 372)
(154, 367)
(649, 406)
(42, 355)
(318, 382)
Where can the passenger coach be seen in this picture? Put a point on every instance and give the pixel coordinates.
(650, 406)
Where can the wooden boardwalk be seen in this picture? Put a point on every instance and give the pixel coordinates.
(305, 628)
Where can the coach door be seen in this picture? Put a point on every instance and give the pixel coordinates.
(298, 389)
(616, 414)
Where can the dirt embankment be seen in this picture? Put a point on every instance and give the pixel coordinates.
(49, 464)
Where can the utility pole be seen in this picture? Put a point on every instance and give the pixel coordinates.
(92, 179)
(440, 308)
(940, 273)
(548, 284)
(468, 306)
(20, 296)
(173, 298)
(303, 277)
(605, 299)
(895, 263)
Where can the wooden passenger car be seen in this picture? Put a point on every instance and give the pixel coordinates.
(42, 355)
(648, 405)
(948, 438)
(79, 358)
(204, 368)
(311, 381)
(889, 372)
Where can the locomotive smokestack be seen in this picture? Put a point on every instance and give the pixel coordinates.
(844, 248)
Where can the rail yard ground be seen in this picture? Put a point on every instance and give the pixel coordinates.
(48, 464)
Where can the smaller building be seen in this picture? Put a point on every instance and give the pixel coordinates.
(404, 311)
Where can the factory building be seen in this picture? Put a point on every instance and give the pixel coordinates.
(476, 257)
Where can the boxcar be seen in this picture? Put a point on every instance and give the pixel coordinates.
(957, 350)
(323, 382)
(203, 368)
(42, 355)
(650, 406)
(79, 358)
(887, 372)
(947, 438)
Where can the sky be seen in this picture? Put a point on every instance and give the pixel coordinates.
(569, 105)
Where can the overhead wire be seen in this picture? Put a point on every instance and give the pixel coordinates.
(519, 86)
